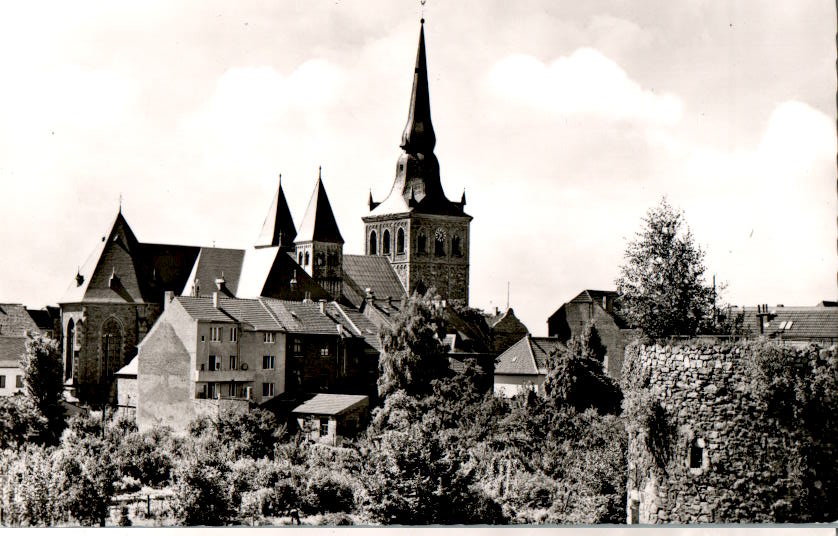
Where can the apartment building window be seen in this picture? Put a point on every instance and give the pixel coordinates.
(234, 362)
(298, 346)
(267, 389)
(270, 338)
(324, 352)
(324, 426)
(234, 334)
(2, 382)
(268, 361)
(215, 334)
(214, 363)
(212, 390)
(19, 382)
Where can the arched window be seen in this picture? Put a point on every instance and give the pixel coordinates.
(111, 347)
(373, 244)
(68, 357)
(439, 243)
(385, 243)
(307, 259)
(422, 244)
(400, 241)
(300, 258)
(455, 247)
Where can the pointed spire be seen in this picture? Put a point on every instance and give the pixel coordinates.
(319, 222)
(418, 136)
(278, 229)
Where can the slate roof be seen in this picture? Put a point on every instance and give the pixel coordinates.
(595, 297)
(319, 222)
(143, 271)
(15, 320)
(211, 264)
(11, 348)
(278, 229)
(300, 317)
(361, 272)
(816, 323)
(527, 356)
(331, 404)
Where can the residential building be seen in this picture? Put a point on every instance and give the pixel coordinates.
(595, 307)
(16, 321)
(524, 365)
(800, 324)
(331, 418)
(208, 355)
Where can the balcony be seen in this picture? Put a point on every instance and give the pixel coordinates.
(225, 376)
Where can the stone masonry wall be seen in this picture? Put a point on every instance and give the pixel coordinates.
(727, 461)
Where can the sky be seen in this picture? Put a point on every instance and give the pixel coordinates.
(563, 122)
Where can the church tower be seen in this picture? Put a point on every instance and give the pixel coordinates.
(278, 229)
(319, 244)
(423, 234)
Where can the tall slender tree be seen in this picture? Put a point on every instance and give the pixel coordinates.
(661, 285)
(43, 379)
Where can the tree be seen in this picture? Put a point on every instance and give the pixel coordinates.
(413, 351)
(43, 378)
(661, 285)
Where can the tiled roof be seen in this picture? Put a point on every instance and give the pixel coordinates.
(329, 404)
(15, 320)
(319, 222)
(300, 317)
(278, 229)
(250, 312)
(361, 272)
(213, 263)
(588, 296)
(527, 356)
(11, 349)
(795, 323)
(268, 272)
(44, 318)
(358, 324)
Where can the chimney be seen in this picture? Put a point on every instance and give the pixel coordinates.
(497, 311)
(168, 296)
(370, 296)
(220, 283)
(215, 299)
(322, 304)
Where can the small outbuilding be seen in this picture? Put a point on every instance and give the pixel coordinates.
(524, 365)
(330, 418)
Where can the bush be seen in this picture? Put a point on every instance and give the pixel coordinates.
(201, 487)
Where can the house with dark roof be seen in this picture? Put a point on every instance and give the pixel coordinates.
(594, 307)
(524, 365)
(207, 355)
(15, 322)
(800, 324)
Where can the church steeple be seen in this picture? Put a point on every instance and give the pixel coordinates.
(418, 136)
(278, 229)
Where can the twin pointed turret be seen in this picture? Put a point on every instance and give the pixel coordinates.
(319, 223)
(278, 229)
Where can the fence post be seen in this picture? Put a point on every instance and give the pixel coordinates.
(148, 505)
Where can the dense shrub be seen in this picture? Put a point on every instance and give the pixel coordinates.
(202, 495)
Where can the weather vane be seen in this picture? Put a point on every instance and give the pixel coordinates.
(423, 10)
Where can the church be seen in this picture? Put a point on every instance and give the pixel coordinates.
(415, 239)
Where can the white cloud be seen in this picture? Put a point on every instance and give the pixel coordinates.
(586, 82)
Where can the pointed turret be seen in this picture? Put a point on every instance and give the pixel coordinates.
(319, 222)
(278, 229)
(418, 136)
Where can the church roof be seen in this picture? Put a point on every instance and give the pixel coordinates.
(269, 271)
(212, 264)
(361, 272)
(418, 135)
(120, 269)
(319, 222)
(278, 229)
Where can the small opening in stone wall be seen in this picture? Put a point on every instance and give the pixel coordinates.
(696, 455)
